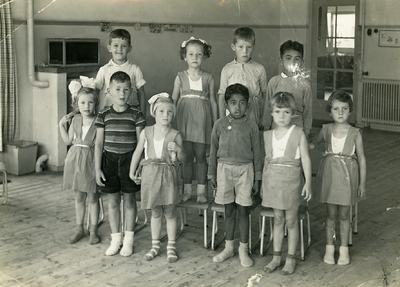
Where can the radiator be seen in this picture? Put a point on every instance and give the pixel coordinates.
(381, 102)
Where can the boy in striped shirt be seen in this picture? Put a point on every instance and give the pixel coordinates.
(117, 129)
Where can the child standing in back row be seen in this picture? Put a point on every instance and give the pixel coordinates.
(245, 71)
(340, 181)
(196, 112)
(119, 45)
(163, 153)
(282, 185)
(117, 130)
(293, 81)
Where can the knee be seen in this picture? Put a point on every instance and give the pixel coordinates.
(331, 215)
(230, 211)
(170, 214)
(344, 216)
(279, 220)
(156, 213)
(291, 223)
(114, 202)
(243, 211)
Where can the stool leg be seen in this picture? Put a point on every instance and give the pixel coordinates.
(262, 236)
(250, 251)
(214, 230)
(355, 231)
(351, 227)
(5, 187)
(301, 239)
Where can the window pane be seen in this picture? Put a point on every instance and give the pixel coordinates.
(346, 25)
(344, 81)
(324, 84)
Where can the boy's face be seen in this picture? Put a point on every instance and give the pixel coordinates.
(243, 50)
(237, 106)
(282, 116)
(119, 48)
(291, 61)
(120, 93)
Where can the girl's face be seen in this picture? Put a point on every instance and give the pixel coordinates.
(194, 55)
(282, 116)
(291, 61)
(164, 114)
(86, 104)
(340, 111)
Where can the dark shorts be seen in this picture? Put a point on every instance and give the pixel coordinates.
(116, 171)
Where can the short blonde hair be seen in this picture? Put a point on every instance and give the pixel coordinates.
(283, 100)
(158, 102)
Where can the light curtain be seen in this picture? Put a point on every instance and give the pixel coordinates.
(8, 76)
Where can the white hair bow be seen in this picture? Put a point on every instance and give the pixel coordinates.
(155, 97)
(184, 43)
(75, 85)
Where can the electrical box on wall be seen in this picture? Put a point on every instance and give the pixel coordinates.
(73, 52)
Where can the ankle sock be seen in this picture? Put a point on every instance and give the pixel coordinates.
(94, 236)
(116, 239)
(187, 192)
(155, 250)
(329, 254)
(226, 253)
(201, 193)
(127, 246)
(244, 257)
(171, 252)
(290, 265)
(275, 262)
(79, 233)
(344, 256)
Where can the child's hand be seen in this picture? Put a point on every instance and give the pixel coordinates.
(213, 182)
(100, 177)
(311, 146)
(64, 120)
(173, 146)
(256, 187)
(306, 192)
(136, 177)
(361, 190)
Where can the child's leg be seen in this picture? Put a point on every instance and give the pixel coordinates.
(93, 201)
(344, 217)
(292, 224)
(188, 170)
(156, 217)
(170, 216)
(130, 212)
(230, 221)
(331, 211)
(201, 172)
(243, 214)
(114, 201)
(278, 233)
(80, 208)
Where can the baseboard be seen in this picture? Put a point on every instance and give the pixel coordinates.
(385, 127)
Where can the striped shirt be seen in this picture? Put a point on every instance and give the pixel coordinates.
(120, 128)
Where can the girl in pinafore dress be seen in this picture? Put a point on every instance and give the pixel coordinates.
(196, 112)
(79, 174)
(158, 172)
(340, 181)
(282, 184)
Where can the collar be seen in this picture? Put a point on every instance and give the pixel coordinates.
(248, 62)
(231, 119)
(112, 63)
(283, 75)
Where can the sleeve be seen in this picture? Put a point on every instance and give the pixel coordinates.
(99, 81)
(263, 80)
(212, 166)
(266, 117)
(257, 158)
(139, 78)
(140, 119)
(223, 83)
(99, 121)
(307, 108)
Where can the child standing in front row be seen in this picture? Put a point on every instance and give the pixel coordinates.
(340, 181)
(119, 45)
(79, 175)
(245, 71)
(293, 81)
(235, 169)
(282, 185)
(159, 182)
(117, 130)
(196, 113)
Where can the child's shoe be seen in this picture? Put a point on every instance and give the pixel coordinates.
(329, 254)
(127, 246)
(201, 193)
(344, 256)
(290, 265)
(171, 252)
(187, 192)
(116, 240)
(79, 233)
(94, 236)
(275, 262)
(226, 253)
(244, 257)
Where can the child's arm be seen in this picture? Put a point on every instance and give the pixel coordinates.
(315, 141)
(223, 84)
(266, 120)
(142, 100)
(212, 167)
(177, 147)
(307, 112)
(257, 160)
(306, 163)
(98, 154)
(177, 90)
(213, 102)
(362, 163)
(66, 136)
(136, 157)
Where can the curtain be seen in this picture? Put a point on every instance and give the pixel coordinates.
(8, 76)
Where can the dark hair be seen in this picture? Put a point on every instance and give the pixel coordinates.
(205, 45)
(120, 77)
(292, 45)
(244, 33)
(283, 100)
(340, 96)
(236, 89)
(119, 33)
(85, 90)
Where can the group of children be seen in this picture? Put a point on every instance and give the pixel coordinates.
(258, 138)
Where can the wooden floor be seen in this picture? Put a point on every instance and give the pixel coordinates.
(39, 216)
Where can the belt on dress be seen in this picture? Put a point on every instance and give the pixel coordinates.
(82, 145)
(196, 97)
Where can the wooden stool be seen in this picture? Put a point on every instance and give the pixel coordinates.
(353, 223)
(5, 187)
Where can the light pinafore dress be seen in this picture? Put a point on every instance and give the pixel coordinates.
(337, 180)
(194, 110)
(159, 175)
(282, 176)
(79, 172)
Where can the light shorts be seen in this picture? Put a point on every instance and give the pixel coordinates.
(234, 184)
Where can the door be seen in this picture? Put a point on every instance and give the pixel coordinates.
(335, 46)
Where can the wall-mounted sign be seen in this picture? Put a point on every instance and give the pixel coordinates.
(389, 38)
